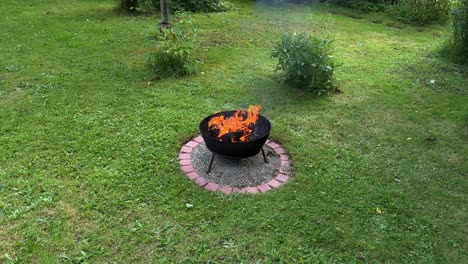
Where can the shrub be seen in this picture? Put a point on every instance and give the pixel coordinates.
(460, 31)
(366, 5)
(173, 56)
(422, 11)
(174, 5)
(306, 62)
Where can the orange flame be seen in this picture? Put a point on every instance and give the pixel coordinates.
(237, 123)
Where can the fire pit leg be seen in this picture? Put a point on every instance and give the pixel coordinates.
(211, 163)
(264, 156)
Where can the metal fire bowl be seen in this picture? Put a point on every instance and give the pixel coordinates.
(236, 150)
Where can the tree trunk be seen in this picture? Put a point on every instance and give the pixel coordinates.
(164, 15)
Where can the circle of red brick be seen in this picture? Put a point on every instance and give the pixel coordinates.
(281, 177)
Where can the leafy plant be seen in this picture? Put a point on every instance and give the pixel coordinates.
(173, 56)
(460, 31)
(422, 11)
(306, 62)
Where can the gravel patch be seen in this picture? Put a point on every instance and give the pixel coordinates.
(252, 171)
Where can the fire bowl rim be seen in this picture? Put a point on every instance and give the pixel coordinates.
(267, 134)
(235, 150)
(282, 176)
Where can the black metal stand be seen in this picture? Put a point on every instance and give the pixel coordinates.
(213, 156)
(211, 163)
(264, 156)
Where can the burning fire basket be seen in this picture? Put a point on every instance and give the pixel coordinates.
(235, 134)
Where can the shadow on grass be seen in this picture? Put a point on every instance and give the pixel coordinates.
(451, 53)
(283, 95)
(437, 72)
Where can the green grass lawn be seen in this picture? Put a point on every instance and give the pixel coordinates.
(89, 141)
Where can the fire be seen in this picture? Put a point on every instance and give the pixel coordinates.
(240, 124)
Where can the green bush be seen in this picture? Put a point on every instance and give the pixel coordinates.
(174, 5)
(306, 62)
(173, 56)
(410, 11)
(366, 5)
(422, 11)
(460, 31)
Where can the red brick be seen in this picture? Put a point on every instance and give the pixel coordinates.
(191, 144)
(186, 149)
(282, 177)
(183, 156)
(273, 145)
(284, 163)
(280, 150)
(284, 157)
(274, 183)
(268, 141)
(264, 188)
(226, 190)
(198, 139)
(201, 181)
(187, 168)
(212, 186)
(193, 175)
(284, 170)
(185, 162)
(237, 190)
(250, 189)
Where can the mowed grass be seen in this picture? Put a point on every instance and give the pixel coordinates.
(89, 141)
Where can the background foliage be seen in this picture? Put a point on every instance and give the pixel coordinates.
(181, 5)
(366, 5)
(410, 11)
(422, 11)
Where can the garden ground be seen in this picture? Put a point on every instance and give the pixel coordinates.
(89, 140)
